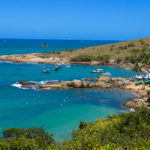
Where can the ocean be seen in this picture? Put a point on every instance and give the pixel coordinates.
(57, 110)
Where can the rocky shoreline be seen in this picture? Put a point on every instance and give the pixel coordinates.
(101, 82)
(38, 58)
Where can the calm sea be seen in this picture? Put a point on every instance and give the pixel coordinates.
(58, 111)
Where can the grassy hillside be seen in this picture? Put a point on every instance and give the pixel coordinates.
(115, 51)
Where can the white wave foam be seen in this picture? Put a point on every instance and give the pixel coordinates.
(18, 86)
(6, 62)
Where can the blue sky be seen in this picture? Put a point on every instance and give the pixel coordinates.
(75, 19)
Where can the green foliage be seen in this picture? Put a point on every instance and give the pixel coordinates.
(123, 47)
(45, 45)
(53, 51)
(137, 67)
(131, 44)
(32, 136)
(83, 58)
(82, 125)
(124, 131)
(135, 50)
(118, 60)
(104, 58)
(142, 42)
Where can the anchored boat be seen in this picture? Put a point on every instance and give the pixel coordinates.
(97, 71)
(46, 71)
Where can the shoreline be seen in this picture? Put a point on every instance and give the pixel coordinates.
(36, 58)
(104, 82)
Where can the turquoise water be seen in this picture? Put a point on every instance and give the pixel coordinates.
(9, 46)
(57, 110)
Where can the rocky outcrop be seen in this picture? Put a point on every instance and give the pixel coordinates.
(137, 103)
(104, 78)
(102, 82)
(85, 84)
(26, 83)
(77, 83)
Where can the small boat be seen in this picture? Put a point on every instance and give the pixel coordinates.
(46, 71)
(68, 66)
(97, 71)
(106, 74)
(56, 68)
(59, 66)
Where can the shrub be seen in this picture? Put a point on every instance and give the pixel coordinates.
(104, 58)
(118, 60)
(53, 51)
(135, 50)
(131, 44)
(83, 58)
(124, 131)
(123, 47)
(38, 134)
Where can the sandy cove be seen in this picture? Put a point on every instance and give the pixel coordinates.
(117, 82)
(103, 82)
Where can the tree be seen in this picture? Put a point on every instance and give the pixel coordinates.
(45, 45)
(137, 67)
(148, 95)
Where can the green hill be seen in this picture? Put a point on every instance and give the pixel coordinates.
(118, 51)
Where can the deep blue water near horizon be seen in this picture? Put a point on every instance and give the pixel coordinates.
(57, 110)
(24, 46)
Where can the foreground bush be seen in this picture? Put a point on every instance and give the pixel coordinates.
(127, 131)
(124, 131)
(26, 139)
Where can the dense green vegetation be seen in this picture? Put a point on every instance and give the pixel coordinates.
(126, 131)
(83, 58)
(88, 58)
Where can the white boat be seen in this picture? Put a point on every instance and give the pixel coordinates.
(68, 66)
(139, 77)
(97, 71)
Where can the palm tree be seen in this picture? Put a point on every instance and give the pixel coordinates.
(45, 45)
(137, 67)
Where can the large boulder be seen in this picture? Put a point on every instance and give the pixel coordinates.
(130, 104)
(103, 84)
(26, 83)
(77, 83)
(68, 83)
(104, 78)
(44, 86)
(86, 84)
(91, 84)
